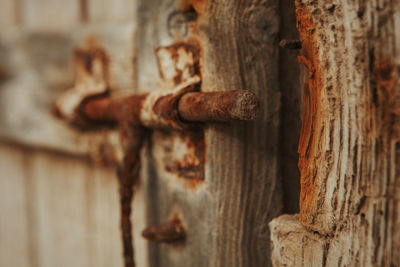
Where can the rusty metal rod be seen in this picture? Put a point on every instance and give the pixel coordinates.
(192, 107)
(106, 109)
(218, 106)
(172, 232)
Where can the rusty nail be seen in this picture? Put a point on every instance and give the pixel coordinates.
(290, 44)
(192, 107)
(172, 232)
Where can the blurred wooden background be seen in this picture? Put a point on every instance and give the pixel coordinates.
(56, 209)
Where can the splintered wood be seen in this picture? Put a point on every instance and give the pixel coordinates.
(349, 145)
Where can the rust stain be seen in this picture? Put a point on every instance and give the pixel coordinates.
(183, 152)
(310, 117)
(173, 232)
(190, 165)
(166, 108)
(89, 54)
(179, 61)
(91, 82)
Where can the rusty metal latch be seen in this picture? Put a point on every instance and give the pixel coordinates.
(178, 105)
(89, 101)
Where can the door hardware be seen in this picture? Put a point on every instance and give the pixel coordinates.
(179, 105)
(172, 232)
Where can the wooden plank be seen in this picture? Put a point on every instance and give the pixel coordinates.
(76, 212)
(58, 210)
(111, 12)
(349, 144)
(289, 238)
(8, 13)
(240, 53)
(225, 216)
(14, 219)
(49, 14)
(61, 213)
(105, 247)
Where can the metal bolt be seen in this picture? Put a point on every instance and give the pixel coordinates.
(190, 107)
(172, 232)
(218, 106)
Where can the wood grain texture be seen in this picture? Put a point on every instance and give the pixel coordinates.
(240, 52)
(57, 211)
(225, 216)
(349, 141)
(14, 220)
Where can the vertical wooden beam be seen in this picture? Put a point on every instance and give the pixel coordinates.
(349, 144)
(14, 218)
(241, 52)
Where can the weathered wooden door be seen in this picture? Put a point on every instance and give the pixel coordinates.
(102, 101)
(59, 191)
(349, 143)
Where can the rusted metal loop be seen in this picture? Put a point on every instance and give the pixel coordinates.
(160, 108)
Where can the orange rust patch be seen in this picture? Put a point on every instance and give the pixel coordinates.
(310, 117)
(91, 62)
(180, 53)
(166, 108)
(190, 165)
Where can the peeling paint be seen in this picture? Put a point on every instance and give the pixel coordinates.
(182, 154)
(179, 62)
